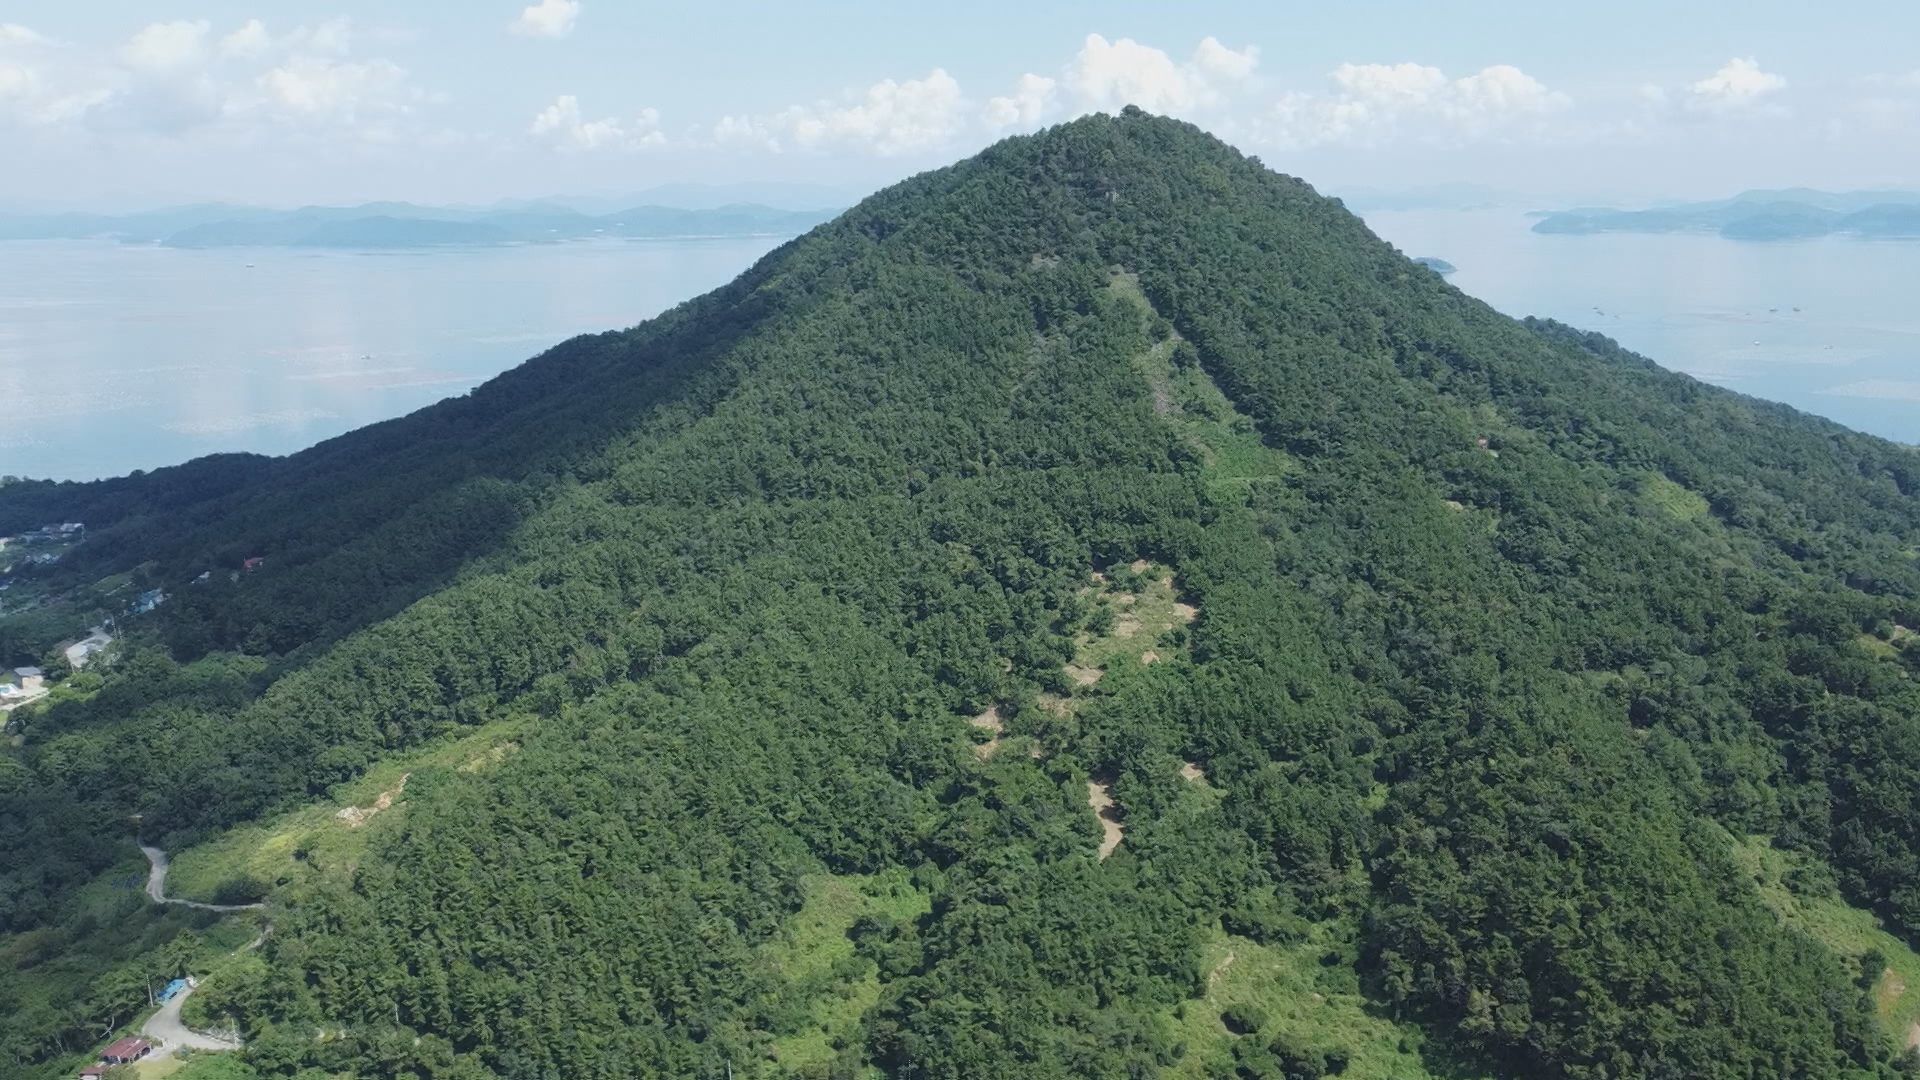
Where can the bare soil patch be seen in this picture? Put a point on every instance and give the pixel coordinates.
(1100, 797)
(1084, 676)
(356, 816)
(988, 721)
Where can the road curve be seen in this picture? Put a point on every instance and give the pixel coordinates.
(165, 1029)
(157, 890)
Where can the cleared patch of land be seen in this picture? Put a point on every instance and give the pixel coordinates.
(1294, 997)
(1185, 396)
(1112, 828)
(815, 962)
(356, 816)
(988, 721)
(1672, 498)
(1784, 878)
(323, 840)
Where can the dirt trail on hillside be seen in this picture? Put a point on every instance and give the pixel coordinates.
(356, 816)
(1100, 797)
(157, 886)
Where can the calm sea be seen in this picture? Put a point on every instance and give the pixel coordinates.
(1830, 326)
(114, 358)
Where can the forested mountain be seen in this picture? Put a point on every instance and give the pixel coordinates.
(1091, 611)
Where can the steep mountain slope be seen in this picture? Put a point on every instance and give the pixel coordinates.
(1094, 610)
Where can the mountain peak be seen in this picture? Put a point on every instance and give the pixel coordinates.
(1090, 610)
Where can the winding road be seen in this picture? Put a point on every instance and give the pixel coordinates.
(157, 888)
(164, 1028)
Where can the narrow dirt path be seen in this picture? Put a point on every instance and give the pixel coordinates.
(1100, 798)
(157, 888)
(1219, 969)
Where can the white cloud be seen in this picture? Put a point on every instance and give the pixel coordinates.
(337, 90)
(17, 81)
(176, 78)
(562, 124)
(35, 89)
(1221, 62)
(1500, 91)
(1374, 103)
(1111, 74)
(333, 37)
(15, 34)
(547, 19)
(733, 130)
(1023, 108)
(167, 47)
(888, 118)
(251, 40)
(1737, 84)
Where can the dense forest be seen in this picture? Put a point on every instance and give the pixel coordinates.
(1091, 611)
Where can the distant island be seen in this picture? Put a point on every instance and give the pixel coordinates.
(405, 225)
(1790, 214)
(1438, 266)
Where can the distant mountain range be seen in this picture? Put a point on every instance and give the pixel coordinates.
(1786, 214)
(404, 225)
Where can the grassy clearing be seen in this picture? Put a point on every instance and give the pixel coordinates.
(1673, 499)
(828, 986)
(1187, 397)
(1134, 610)
(1802, 894)
(316, 841)
(156, 1066)
(1299, 999)
(1877, 647)
(206, 1067)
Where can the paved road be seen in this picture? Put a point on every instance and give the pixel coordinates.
(157, 887)
(166, 1032)
(164, 1028)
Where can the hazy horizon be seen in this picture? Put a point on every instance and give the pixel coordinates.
(338, 103)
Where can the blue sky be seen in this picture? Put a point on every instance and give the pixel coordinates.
(113, 101)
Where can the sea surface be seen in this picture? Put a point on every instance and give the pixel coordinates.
(115, 357)
(118, 357)
(1830, 326)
